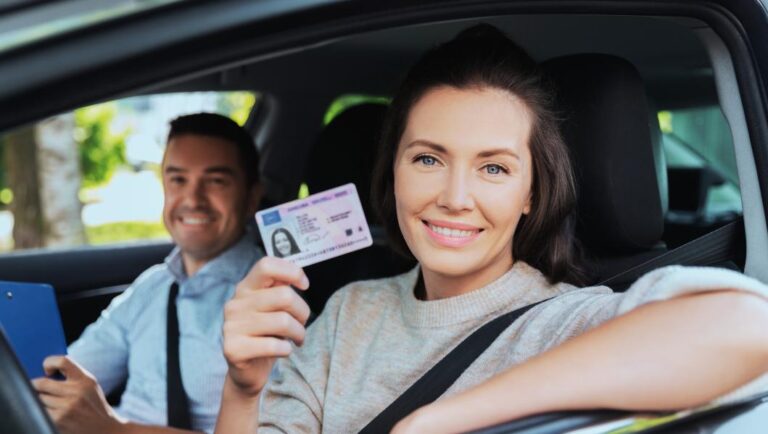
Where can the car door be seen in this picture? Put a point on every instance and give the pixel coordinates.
(136, 53)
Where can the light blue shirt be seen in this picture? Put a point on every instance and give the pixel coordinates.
(129, 338)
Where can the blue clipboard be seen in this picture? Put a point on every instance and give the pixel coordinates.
(30, 318)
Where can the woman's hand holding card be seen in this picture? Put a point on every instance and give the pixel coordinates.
(262, 319)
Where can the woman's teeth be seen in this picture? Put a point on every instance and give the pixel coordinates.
(454, 233)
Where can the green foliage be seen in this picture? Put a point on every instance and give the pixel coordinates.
(303, 190)
(6, 196)
(346, 101)
(643, 423)
(101, 150)
(665, 121)
(110, 233)
(236, 105)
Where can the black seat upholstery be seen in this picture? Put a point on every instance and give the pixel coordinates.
(613, 137)
(345, 152)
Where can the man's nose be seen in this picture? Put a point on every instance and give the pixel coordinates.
(194, 194)
(456, 194)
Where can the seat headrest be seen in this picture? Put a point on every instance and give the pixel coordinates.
(608, 130)
(345, 152)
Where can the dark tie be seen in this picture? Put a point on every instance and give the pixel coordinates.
(178, 407)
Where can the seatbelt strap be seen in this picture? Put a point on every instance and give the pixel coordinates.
(438, 379)
(713, 248)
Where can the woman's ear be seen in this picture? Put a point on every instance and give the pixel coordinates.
(527, 206)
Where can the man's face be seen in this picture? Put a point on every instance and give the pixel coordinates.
(207, 201)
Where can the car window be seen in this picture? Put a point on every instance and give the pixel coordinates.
(346, 101)
(698, 147)
(92, 176)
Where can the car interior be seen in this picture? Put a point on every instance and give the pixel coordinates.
(618, 77)
(624, 181)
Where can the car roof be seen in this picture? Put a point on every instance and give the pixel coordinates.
(665, 50)
(261, 43)
(23, 22)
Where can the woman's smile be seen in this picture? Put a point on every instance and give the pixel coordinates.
(451, 234)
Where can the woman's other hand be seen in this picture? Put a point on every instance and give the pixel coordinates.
(261, 320)
(418, 422)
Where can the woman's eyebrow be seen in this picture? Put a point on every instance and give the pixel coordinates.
(434, 146)
(493, 152)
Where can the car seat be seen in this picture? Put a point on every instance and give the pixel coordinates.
(614, 139)
(345, 152)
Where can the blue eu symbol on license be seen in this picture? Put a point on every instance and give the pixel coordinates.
(271, 217)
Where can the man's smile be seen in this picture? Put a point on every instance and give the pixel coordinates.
(195, 220)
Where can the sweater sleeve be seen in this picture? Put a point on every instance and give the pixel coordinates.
(293, 399)
(674, 281)
(664, 284)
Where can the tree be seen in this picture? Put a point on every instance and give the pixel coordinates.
(60, 179)
(236, 105)
(100, 150)
(20, 158)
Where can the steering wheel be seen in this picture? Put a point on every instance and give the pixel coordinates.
(21, 409)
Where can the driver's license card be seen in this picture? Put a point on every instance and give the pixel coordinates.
(319, 227)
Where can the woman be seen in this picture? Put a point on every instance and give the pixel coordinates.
(283, 243)
(473, 128)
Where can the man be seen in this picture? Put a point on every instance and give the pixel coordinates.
(211, 190)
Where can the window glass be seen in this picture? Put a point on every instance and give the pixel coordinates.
(92, 176)
(344, 102)
(699, 140)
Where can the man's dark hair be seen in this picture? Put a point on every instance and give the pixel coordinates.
(483, 57)
(221, 127)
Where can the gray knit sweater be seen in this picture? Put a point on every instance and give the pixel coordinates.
(375, 338)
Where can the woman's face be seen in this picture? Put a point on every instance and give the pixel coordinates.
(463, 180)
(282, 244)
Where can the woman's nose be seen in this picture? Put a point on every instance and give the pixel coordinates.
(456, 194)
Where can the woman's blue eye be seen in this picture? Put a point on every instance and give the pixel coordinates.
(494, 169)
(427, 160)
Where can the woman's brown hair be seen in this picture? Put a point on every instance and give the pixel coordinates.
(481, 57)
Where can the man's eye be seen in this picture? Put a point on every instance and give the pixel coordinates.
(176, 180)
(494, 169)
(426, 160)
(217, 181)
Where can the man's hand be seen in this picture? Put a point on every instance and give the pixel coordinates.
(260, 320)
(77, 404)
